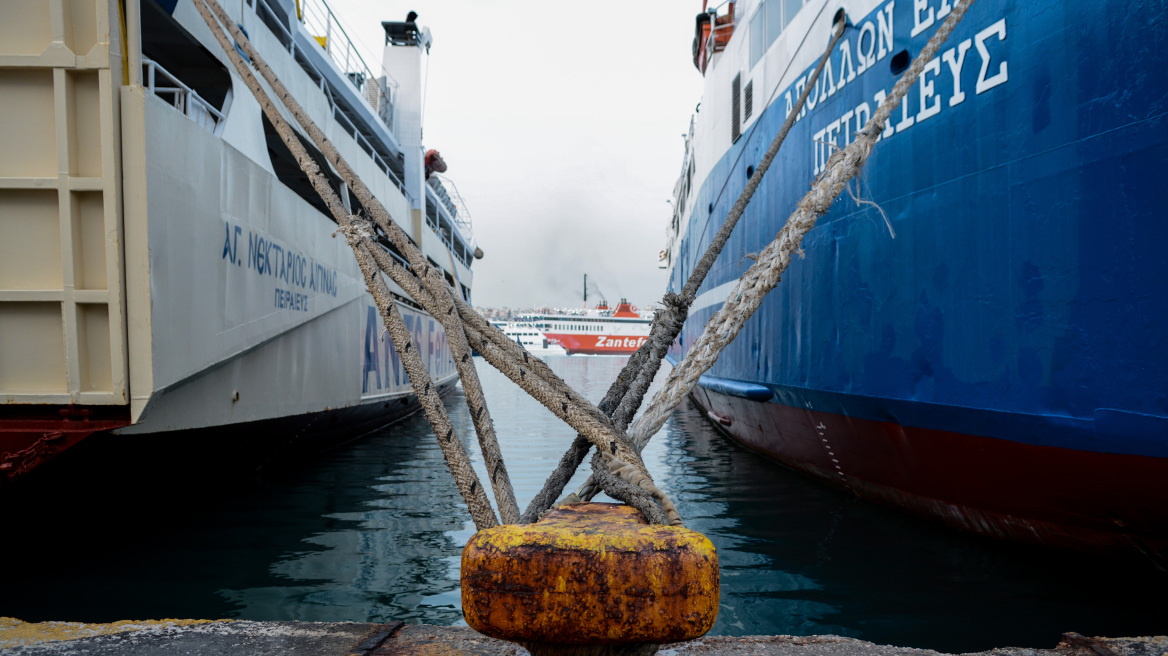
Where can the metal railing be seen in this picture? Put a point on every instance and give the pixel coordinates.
(454, 202)
(441, 223)
(322, 23)
(381, 89)
(163, 83)
(720, 34)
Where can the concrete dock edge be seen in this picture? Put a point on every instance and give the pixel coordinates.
(240, 638)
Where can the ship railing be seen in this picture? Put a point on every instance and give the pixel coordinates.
(720, 34)
(379, 93)
(441, 222)
(165, 85)
(323, 24)
(452, 197)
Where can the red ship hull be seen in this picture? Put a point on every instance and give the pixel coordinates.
(598, 344)
(33, 437)
(1034, 494)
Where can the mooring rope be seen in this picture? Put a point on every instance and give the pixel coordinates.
(628, 391)
(747, 295)
(432, 278)
(618, 468)
(529, 373)
(359, 240)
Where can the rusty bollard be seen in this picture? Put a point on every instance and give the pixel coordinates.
(590, 578)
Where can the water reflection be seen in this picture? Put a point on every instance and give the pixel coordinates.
(801, 558)
(372, 531)
(724, 493)
(383, 555)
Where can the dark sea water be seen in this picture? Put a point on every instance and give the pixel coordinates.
(372, 532)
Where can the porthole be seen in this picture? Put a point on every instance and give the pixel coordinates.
(899, 62)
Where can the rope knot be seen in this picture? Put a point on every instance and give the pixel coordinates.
(358, 230)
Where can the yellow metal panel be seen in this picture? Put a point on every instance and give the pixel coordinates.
(30, 239)
(80, 22)
(62, 316)
(84, 124)
(32, 353)
(89, 241)
(26, 28)
(28, 132)
(93, 333)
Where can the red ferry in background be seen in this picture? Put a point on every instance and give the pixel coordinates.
(598, 331)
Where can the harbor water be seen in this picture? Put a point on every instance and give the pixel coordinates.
(372, 530)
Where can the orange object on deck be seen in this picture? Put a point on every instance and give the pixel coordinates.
(434, 163)
(590, 573)
(722, 29)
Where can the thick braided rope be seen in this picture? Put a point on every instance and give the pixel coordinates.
(627, 482)
(678, 312)
(357, 237)
(627, 389)
(430, 277)
(521, 367)
(433, 280)
(748, 294)
(583, 416)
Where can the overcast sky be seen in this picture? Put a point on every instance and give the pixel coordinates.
(562, 125)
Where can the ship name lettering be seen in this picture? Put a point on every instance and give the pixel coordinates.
(388, 371)
(873, 42)
(926, 102)
(984, 84)
(231, 243)
(923, 20)
(288, 300)
(268, 258)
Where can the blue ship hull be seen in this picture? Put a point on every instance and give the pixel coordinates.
(1019, 313)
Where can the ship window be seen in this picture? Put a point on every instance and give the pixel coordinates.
(749, 99)
(790, 8)
(774, 20)
(758, 42)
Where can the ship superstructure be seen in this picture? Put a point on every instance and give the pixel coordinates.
(529, 335)
(165, 267)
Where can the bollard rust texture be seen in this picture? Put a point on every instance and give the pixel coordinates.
(590, 573)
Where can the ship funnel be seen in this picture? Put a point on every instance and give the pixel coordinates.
(406, 43)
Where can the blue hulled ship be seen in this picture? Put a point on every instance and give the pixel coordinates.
(984, 343)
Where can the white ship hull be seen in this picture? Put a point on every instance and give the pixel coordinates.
(160, 275)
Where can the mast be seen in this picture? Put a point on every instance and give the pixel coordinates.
(586, 291)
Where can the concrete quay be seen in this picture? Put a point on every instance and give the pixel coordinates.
(246, 638)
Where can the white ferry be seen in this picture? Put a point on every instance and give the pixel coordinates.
(595, 331)
(529, 335)
(166, 271)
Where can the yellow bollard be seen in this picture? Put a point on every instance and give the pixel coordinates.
(590, 574)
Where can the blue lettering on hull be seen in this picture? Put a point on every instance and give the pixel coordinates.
(382, 368)
(269, 259)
